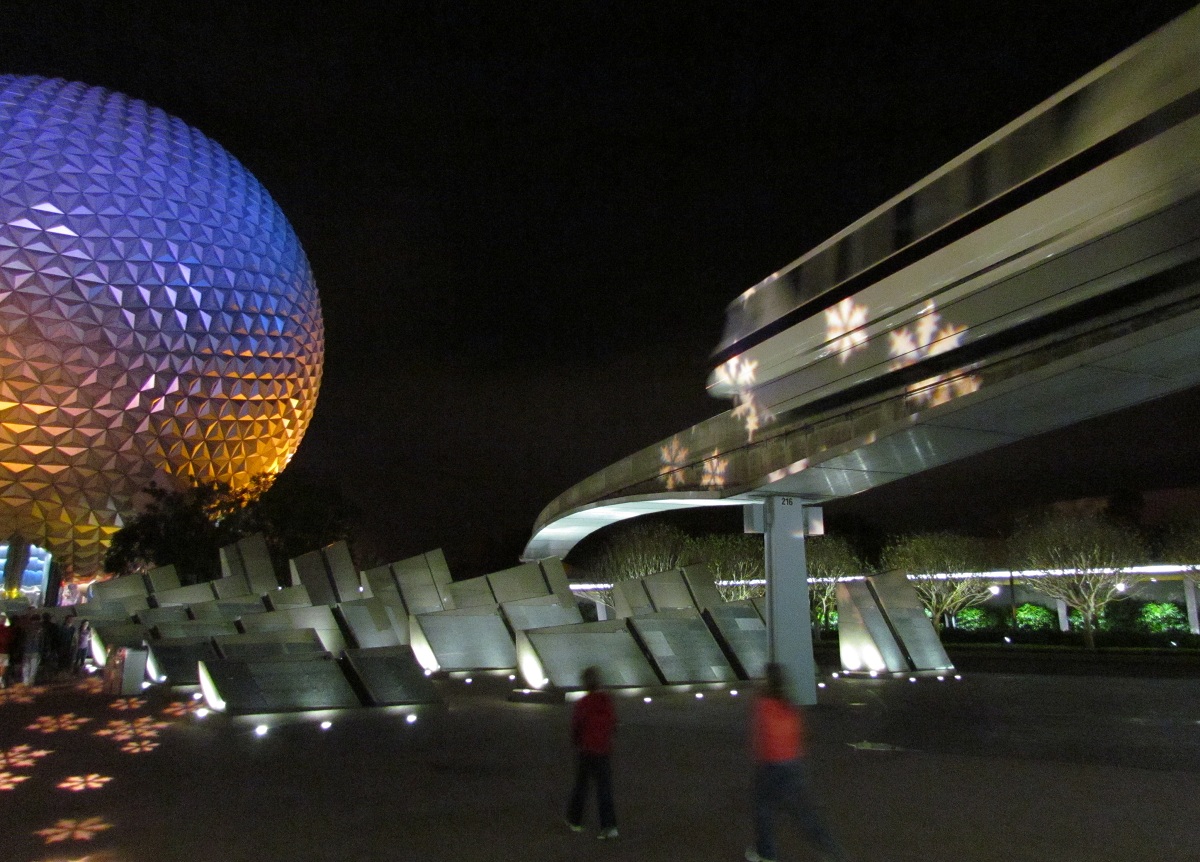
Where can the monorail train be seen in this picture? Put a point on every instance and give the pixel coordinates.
(1092, 194)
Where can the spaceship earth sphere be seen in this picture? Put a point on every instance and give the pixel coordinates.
(158, 317)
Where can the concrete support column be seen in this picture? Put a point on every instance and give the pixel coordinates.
(1064, 616)
(601, 610)
(1189, 597)
(789, 624)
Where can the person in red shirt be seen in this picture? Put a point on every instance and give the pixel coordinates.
(593, 722)
(779, 740)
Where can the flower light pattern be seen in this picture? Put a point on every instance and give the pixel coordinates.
(91, 685)
(160, 318)
(739, 375)
(18, 694)
(139, 746)
(844, 330)
(22, 757)
(54, 723)
(715, 469)
(931, 337)
(10, 780)
(125, 703)
(84, 829)
(121, 730)
(672, 459)
(78, 783)
(182, 708)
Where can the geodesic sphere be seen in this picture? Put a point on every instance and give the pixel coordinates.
(158, 318)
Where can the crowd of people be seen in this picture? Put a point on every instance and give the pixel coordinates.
(36, 648)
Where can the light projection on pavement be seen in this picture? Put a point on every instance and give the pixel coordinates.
(55, 723)
(17, 694)
(125, 703)
(121, 730)
(79, 783)
(158, 317)
(845, 328)
(81, 829)
(22, 757)
(11, 780)
(927, 337)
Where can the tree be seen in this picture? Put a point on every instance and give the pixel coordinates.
(184, 528)
(298, 514)
(830, 560)
(1081, 560)
(730, 557)
(1181, 544)
(188, 527)
(928, 558)
(634, 551)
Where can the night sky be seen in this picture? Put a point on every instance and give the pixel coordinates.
(525, 219)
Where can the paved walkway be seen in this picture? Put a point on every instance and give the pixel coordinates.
(990, 769)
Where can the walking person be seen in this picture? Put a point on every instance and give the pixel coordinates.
(34, 638)
(6, 632)
(778, 735)
(593, 723)
(18, 634)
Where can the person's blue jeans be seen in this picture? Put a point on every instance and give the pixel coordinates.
(784, 787)
(593, 768)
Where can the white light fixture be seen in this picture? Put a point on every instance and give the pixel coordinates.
(325, 725)
(699, 695)
(201, 712)
(647, 699)
(261, 730)
(411, 718)
(468, 680)
(733, 692)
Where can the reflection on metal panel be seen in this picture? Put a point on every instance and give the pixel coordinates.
(564, 652)
(466, 639)
(342, 572)
(882, 627)
(162, 578)
(472, 593)
(681, 647)
(176, 658)
(309, 570)
(520, 582)
(390, 676)
(288, 597)
(631, 599)
(374, 624)
(669, 591)
(744, 634)
(281, 684)
(540, 613)
(865, 640)
(900, 603)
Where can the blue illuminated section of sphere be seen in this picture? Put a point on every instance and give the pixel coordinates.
(158, 317)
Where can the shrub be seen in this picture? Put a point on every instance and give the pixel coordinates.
(977, 619)
(1036, 618)
(1162, 617)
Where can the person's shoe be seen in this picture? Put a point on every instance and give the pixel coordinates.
(574, 827)
(752, 856)
(609, 833)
